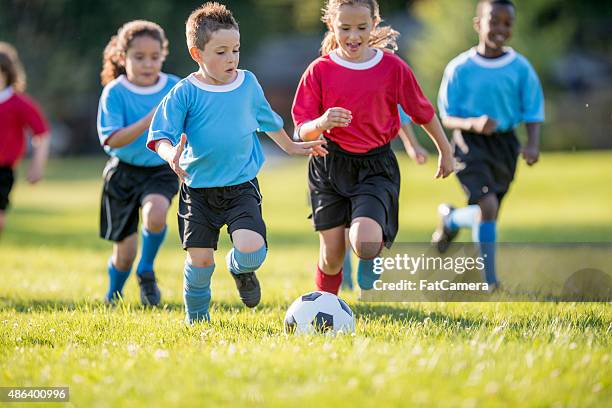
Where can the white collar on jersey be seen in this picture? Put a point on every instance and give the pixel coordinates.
(357, 65)
(493, 62)
(6, 94)
(145, 90)
(218, 88)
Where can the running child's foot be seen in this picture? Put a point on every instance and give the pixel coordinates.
(112, 298)
(149, 291)
(443, 235)
(248, 288)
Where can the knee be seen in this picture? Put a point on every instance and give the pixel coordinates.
(200, 260)
(366, 238)
(154, 217)
(489, 206)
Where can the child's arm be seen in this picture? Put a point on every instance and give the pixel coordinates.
(483, 124)
(40, 146)
(129, 133)
(281, 138)
(445, 159)
(411, 144)
(172, 154)
(333, 117)
(531, 151)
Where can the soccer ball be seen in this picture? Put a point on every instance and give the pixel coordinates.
(319, 312)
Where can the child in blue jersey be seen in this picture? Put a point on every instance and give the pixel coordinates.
(485, 93)
(135, 178)
(205, 128)
(417, 153)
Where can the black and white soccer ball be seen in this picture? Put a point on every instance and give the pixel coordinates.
(319, 312)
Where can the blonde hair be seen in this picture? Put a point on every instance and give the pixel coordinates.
(205, 20)
(380, 37)
(119, 44)
(11, 67)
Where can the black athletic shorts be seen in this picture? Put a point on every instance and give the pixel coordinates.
(485, 164)
(7, 178)
(344, 186)
(125, 186)
(204, 211)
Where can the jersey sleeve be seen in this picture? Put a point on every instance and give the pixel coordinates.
(169, 118)
(532, 97)
(307, 103)
(33, 118)
(111, 116)
(411, 97)
(267, 119)
(449, 95)
(404, 118)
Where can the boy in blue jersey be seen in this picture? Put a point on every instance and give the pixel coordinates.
(135, 179)
(205, 128)
(485, 93)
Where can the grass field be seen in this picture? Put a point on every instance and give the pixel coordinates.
(55, 331)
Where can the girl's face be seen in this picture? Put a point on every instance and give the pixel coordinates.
(352, 26)
(219, 59)
(143, 61)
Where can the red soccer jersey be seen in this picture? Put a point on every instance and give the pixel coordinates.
(18, 113)
(370, 90)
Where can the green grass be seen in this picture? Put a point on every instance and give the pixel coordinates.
(55, 331)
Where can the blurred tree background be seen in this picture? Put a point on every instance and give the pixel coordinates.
(568, 42)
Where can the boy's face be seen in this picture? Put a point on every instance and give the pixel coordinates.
(144, 60)
(494, 24)
(220, 56)
(352, 26)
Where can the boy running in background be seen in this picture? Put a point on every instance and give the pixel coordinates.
(485, 93)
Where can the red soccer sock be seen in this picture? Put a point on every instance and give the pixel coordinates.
(328, 283)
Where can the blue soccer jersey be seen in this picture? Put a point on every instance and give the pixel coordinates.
(220, 122)
(122, 104)
(506, 89)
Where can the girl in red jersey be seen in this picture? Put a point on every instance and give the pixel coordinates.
(18, 114)
(350, 96)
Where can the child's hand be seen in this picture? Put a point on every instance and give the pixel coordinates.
(531, 154)
(446, 165)
(35, 173)
(315, 148)
(334, 117)
(417, 153)
(484, 125)
(174, 157)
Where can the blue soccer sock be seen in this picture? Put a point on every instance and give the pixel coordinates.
(347, 276)
(245, 262)
(463, 217)
(487, 238)
(151, 241)
(117, 280)
(196, 292)
(365, 274)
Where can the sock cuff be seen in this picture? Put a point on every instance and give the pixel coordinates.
(198, 276)
(328, 283)
(112, 267)
(146, 233)
(248, 261)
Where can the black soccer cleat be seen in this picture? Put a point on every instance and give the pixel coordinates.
(149, 291)
(248, 288)
(443, 236)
